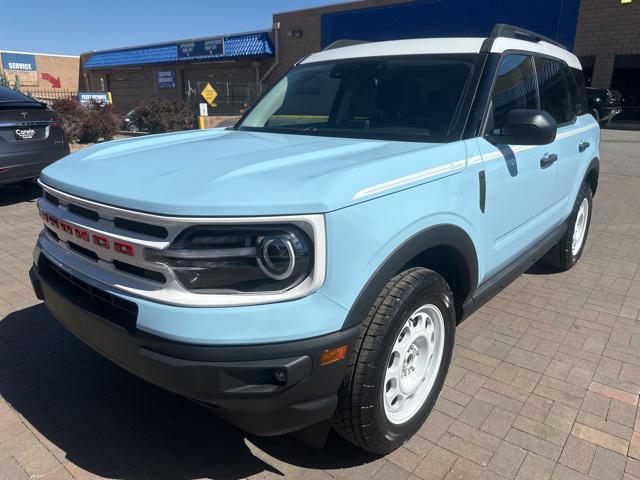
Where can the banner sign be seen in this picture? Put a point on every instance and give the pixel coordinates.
(85, 98)
(211, 47)
(20, 65)
(166, 79)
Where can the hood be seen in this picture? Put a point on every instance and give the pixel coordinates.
(221, 172)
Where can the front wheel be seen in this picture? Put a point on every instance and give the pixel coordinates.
(399, 363)
(569, 249)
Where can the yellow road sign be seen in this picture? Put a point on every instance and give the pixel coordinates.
(209, 94)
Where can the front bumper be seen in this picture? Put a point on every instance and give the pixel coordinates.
(243, 383)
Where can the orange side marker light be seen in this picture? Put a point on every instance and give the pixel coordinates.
(333, 355)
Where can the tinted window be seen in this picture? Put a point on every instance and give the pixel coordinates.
(578, 91)
(397, 98)
(515, 87)
(553, 83)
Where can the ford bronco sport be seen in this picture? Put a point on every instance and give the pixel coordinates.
(307, 268)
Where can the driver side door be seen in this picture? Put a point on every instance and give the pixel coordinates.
(520, 179)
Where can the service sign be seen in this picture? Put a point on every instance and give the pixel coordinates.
(210, 47)
(20, 65)
(85, 98)
(166, 79)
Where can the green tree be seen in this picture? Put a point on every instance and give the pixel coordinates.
(4, 81)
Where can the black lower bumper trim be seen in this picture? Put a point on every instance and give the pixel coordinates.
(267, 389)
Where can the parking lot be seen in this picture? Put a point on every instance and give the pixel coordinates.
(544, 384)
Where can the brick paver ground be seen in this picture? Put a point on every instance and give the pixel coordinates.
(544, 383)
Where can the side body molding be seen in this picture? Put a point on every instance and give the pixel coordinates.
(442, 235)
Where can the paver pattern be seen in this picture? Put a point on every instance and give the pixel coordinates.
(544, 383)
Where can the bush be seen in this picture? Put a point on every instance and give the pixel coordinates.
(101, 122)
(87, 124)
(73, 117)
(158, 115)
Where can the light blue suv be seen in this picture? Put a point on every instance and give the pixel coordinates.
(307, 268)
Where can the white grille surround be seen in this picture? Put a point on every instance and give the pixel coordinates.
(57, 247)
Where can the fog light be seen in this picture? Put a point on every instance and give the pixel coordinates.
(281, 375)
(333, 355)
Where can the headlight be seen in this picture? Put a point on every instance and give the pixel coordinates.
(229, 259)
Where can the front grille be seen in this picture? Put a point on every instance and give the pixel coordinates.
(84, 212)
(102, 304)
(51, 198)
(140, 227)
(123, 223)
(140, 272)
(83, 251)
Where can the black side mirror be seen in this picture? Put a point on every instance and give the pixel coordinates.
(525, 127)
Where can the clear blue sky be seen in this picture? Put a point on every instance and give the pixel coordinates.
(73, 26)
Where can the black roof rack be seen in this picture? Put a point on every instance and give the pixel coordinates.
(509, 31)
(343, 43)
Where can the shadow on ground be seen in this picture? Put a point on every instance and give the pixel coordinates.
(110, 423)
(12, 194)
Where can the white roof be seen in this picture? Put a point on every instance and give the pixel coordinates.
(423, 46)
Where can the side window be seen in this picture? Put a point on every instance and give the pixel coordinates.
(578, 92)
(515, 87)
(553, 82)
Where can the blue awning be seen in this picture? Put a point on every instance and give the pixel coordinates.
(249, 45)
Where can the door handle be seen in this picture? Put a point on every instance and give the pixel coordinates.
(548, 160)
(583, 146)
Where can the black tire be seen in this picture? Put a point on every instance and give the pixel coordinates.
(561, 256)
(595, 114)
(360, 417)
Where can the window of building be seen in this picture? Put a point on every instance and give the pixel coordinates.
(588, 63)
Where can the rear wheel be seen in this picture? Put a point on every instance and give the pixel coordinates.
(569, 249)
(400, 362)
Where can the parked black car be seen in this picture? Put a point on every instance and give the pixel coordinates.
(128, 124)
(604, 104)
(31, 137)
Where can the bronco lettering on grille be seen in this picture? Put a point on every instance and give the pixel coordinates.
(87, 236)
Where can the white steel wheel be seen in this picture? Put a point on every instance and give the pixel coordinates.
(413, 364)
(580, 228)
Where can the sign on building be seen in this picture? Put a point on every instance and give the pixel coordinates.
(166, 79)
(85, 98)
(20, 65)
(209, 94)
(210, 47)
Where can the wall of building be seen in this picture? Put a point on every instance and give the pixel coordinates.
(607, 29)
(60, 67)
(130, 85)
(308, 23)
(306, 31)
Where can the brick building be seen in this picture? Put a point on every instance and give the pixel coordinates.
(233, 64)
(41, 72)
(608, 44)
(604, 33)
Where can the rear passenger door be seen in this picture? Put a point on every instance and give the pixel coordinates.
(555, 85)
(520, 184)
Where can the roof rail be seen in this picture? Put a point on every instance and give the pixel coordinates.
(510, 31)
(343, 43)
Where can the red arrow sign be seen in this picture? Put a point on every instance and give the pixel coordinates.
(55, 82)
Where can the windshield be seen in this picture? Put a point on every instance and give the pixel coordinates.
(404, 98)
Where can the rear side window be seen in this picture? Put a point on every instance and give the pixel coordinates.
(515, 87)
(578, 91)
(553, 82)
